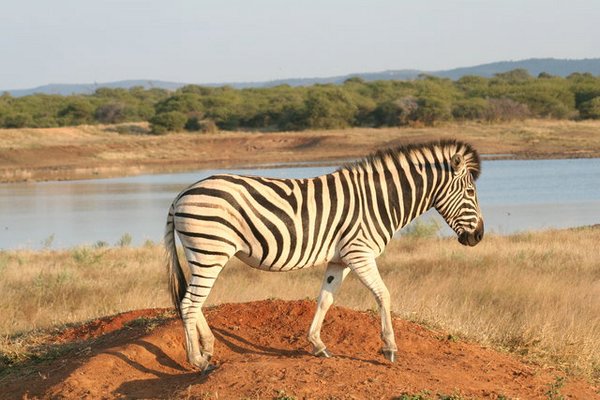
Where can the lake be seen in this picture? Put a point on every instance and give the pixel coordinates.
(515, 195)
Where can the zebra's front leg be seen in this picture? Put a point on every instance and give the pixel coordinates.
(334, 276)
(366, 269)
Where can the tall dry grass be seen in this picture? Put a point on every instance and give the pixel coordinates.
(535, 294)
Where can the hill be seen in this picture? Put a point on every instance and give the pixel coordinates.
(66, 89)
(262, 353)
(535, 66)
(558, 67)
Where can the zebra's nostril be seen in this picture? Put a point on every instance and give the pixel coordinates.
(478, 236)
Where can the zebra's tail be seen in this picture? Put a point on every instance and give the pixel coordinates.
(177, 280)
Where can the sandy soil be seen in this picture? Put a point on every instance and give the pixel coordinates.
(262, 353)
(99, 151)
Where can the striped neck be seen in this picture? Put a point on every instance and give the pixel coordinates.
(406, 181)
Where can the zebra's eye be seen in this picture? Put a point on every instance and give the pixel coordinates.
(470, 192)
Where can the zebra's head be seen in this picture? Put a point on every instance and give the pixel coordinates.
(457, 201)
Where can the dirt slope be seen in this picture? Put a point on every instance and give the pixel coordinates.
(96, 151)
(262, 352)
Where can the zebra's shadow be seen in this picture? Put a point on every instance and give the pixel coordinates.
(227, 338)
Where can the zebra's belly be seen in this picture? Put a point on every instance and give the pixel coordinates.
(280, 266)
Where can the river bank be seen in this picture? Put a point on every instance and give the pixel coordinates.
(99, 151)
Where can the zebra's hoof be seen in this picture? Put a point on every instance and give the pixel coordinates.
(208, 369)
(389, 355)
(323, 353)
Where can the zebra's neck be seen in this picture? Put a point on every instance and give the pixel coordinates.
(396, 190)
(415, 184)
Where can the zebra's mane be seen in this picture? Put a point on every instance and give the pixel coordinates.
(448, 149)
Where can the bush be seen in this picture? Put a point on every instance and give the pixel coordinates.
(327, 108)
(77, 111)
(17, 120)
(396, 112)
(110, 113)
(505, 110)
(196, 123)
(470, 109)
(182, 102)
(167, 122)
(510, 95)
(432, 110)
(590, 109)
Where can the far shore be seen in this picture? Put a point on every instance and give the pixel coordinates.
(100, 151)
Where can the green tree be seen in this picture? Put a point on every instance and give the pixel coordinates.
(505, 110)
(328, 107)
(432, 110)
(182, 102)
(77, 111)
(167, 122)
(16, 120)
(111, 113)
(590, 109)
(470, 109)
(473, 86)
(396, 112)
(518, 75)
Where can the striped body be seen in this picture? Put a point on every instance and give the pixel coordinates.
(346, 217)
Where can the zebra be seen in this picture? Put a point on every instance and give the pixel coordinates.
(343, 219)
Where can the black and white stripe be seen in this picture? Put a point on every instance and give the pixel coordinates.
(345, 219)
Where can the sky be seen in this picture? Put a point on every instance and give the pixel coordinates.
(214, 41)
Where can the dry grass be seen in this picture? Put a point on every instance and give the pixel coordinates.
(84, 152)
(535, 294)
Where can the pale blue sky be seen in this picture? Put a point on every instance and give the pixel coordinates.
(83, 41)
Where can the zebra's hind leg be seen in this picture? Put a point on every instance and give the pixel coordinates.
(334, 276)
(205, 267)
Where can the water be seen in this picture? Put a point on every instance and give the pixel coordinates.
(515, 196)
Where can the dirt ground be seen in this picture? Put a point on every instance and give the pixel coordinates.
(99, 151)
(262, 353)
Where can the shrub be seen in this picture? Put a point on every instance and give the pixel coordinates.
(518, 75)
(505, 110)
(590, 109)
(432, 110)
(396, 112)
(167, 122)
(182, 102)
(196, 123)
(16, 120)
(327, 108)
(470, 109)
(110, 113)
(77, 111)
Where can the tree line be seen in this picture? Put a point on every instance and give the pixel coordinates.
(426, 101)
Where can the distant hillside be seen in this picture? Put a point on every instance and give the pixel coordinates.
(535, 66)
(559, 67)
(66, 89)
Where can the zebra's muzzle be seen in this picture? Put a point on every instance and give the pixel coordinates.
(472, 238)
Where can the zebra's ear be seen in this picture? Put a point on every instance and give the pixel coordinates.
(458, 163)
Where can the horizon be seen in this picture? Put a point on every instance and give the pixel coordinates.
(232, 41)
(300, 77)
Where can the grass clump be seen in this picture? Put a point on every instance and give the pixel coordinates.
(125, 240)
(282, 395)
(420, 229)
(148, 324)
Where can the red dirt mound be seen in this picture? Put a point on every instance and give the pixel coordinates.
(262, 352)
